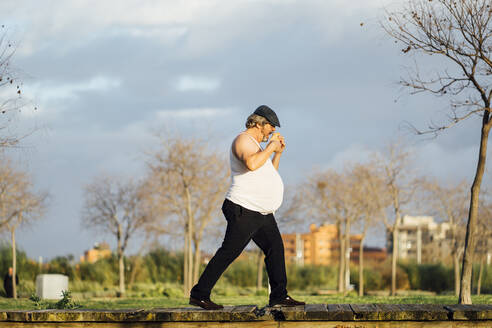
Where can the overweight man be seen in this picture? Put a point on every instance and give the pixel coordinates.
(256, 192)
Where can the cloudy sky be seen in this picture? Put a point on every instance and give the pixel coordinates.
(105, 75)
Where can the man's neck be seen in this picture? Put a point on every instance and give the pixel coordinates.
(255, 133)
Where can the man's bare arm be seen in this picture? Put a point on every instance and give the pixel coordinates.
(276, 160)
(247, 151)
(278, 153)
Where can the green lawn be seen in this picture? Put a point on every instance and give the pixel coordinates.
(163, 302)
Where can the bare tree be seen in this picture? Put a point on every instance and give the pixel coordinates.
(393, 187)
(335, 197)
(11, 98)
(323, 200)
(116, 207)
(20, 205)
(450, 203)
(367, 181)
(189, 181)
(459, 32)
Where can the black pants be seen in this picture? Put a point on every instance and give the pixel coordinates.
(242, 226)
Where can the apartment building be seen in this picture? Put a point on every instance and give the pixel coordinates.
(320, 246)
(421, 239)
(99, 251)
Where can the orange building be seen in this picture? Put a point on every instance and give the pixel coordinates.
(321, 247)
(99, 251)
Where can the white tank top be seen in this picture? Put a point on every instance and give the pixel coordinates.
(261, 190)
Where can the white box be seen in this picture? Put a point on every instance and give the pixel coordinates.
(50, 286)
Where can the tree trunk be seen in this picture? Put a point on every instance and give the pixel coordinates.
(466, 272)
(346, 273)
(186, 280)
(341, 257)
(196, 266)
(122, 272)
(14, 265)
(341, 268)
(361, 267)
(190, 262)
(456, 273)
(480, 273)
(456, 259)
(259, 270)
(121, 264)
(394, 258)
(189, 255)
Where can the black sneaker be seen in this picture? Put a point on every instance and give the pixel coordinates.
(287, 301)
(205, 304)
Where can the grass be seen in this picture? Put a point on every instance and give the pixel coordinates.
(260, 301)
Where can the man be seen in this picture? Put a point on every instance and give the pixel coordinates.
(7, 283)
(256, 192)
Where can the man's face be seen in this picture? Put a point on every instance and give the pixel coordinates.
(267, 130)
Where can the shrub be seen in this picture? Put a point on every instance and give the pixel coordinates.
(373, 279)
(103, 272)
(486, 279)
(436, 278)
(241, 273)
(27, 269)
(402, 281)
(433, 277)
(164, 266)
(309, 276)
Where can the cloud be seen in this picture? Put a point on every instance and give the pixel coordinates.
(197, 83)
(191, 113)
(70, 24)
(446, 163)
(53, 98)
(50, 91)
(165, 34)
(354, 153)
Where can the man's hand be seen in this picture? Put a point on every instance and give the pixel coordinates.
(278, 138)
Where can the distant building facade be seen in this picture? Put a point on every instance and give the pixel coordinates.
(422, 240)
(98, 252)
(320, 246)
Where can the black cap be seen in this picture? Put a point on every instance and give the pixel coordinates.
(269, 114)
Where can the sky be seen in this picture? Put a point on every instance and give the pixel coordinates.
(105, 76)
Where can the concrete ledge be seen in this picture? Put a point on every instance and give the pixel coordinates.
(310, 315)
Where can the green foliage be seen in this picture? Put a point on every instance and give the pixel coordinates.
(104, 271)
(27, 269)
(373, 280)
(436, 278)
(486, 278)
(309, 276)
(159, 274)
(402, 280)
(432, 277)
(62, 265)
(26, 288)
(38, 304)
(85, 285)
(241, 273)
(65, 303)
(164, 266)
(172, 290)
